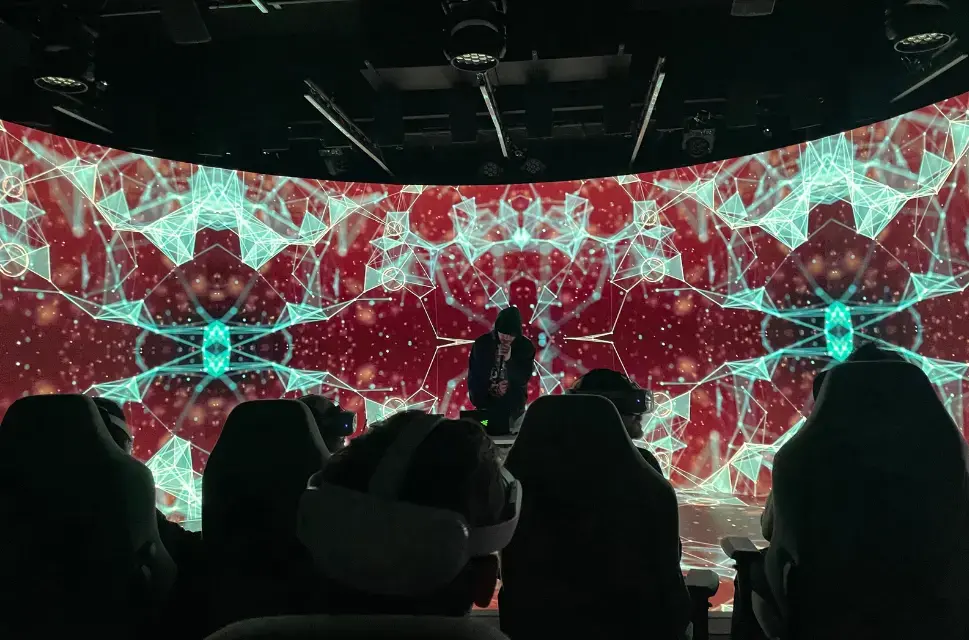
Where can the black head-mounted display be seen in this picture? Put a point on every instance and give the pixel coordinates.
(633, 401)
(333, 420)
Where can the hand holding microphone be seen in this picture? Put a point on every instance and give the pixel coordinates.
(504, 350)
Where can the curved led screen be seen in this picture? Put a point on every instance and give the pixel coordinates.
(181, 290)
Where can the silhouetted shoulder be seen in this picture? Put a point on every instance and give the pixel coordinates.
(526, 345)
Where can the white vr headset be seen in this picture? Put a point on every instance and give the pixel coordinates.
(375, 543)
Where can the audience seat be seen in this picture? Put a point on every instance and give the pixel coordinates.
(869, 518)
(79, 544)
(358, 628)
(251, 488)
(593, 513)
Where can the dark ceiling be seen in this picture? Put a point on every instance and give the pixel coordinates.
(570, 89)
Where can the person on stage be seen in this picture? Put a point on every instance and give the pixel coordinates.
(499, 368)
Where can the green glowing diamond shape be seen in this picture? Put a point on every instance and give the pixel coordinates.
(839, 332)
(216, 349)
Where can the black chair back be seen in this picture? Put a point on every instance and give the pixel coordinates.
(79, 544)
(358, 628)
(871, 505)
(251, 487)
(597, 541)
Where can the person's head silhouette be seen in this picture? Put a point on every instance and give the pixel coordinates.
(334, 424)
(455, 468)
(613, 385)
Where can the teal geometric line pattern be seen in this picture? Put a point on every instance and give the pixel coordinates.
(839, 334)
(172, 468)
(214, 286)
(216, 349)
(216, 199)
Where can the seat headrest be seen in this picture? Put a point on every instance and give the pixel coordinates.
(880, 426)
(266, 452)
(559, 431)
(77, 504)
(262, 432)
(888, 389)
(872, 408)
(358, 628)
(63, 427)
(377, 544)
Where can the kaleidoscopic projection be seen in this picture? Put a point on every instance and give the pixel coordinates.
(180, 290)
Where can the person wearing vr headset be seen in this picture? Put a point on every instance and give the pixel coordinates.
(409, 517)
(335, 424)
(500, 365)
(632, 401)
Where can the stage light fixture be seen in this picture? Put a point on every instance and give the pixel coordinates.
(918, 27)
(490, 170)
(61, 84)
(697, 145)
(475, 34)
(475, 61)
(533, 166)
(64, 59)
(922, 42)
(699, 135)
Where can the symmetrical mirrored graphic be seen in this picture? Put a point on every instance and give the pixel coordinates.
(182, 290)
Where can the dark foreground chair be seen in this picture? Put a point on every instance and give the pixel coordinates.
(251, 489)
(358, 628)
(79, 543)
(597, 548)
(867, 519)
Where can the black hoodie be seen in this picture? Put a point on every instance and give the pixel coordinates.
(484, 362)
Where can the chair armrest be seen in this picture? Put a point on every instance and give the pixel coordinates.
(703, 581)
(744, 553)
(737, 546)
(702, 584)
